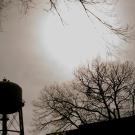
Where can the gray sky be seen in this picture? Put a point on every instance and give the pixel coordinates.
(26, 59)
(23, 59)
(128, 12)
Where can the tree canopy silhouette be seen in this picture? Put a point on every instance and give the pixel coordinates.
(101, 91)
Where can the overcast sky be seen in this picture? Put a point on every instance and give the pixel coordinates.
(128, 10)
(23, 58)
(28, 57)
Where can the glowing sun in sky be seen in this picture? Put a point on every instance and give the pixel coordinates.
(75, 42)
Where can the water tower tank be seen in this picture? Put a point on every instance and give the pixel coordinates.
(10, 97)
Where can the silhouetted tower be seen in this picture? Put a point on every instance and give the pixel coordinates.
(11, 103)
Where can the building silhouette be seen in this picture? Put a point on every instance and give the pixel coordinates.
(120, 126)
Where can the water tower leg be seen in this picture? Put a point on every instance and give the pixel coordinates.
(4, 124)
(21, 122)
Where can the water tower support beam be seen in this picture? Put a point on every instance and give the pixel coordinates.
(21, 122)
(4, 124)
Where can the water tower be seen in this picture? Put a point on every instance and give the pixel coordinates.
(11, 103)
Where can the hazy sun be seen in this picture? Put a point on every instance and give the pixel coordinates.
(75, 42)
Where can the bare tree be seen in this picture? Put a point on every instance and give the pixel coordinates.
(103, 91)
(108, 86)
(59, 107)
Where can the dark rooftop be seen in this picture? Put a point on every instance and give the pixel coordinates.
(120, 126)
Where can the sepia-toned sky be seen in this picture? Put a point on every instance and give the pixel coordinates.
(128, 9)
(36, 49)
